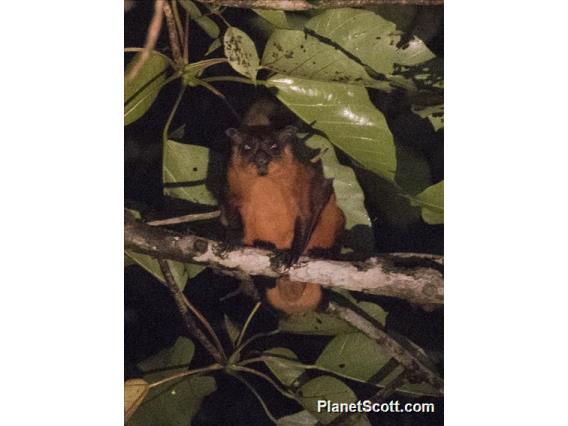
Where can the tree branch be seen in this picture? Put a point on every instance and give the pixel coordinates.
(189, 322)
(301, 5)
(151, 40)
(414, 277)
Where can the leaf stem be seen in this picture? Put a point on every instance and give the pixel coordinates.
(212, 367)
(255, 393)
(247, 323)
(233, 79)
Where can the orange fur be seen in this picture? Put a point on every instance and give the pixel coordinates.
(269, 206)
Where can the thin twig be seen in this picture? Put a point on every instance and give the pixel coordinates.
(194, 217)
(179, 26)
(183, 309)
(186, 40)
(172, 33)
(256, 394)
(151, 40)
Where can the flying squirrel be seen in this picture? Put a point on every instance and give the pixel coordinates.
(274, 198)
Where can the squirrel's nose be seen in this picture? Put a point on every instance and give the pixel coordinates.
(262, 158)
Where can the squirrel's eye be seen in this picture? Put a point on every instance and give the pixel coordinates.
(246, 147)
(274, 146)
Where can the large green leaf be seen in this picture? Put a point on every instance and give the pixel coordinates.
(187, 166)
(241, 52)
(180, 354)
(357, 356)
(140, 93)
(346, 45)
(350, 197)
(370, 38)
(173, 403)
(431, 200)
(346, 115)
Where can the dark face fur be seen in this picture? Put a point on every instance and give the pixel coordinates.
(260, 146)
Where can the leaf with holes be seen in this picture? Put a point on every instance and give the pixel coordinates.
(185, 171)
(358, 356)
(241, 52)
(350, 46)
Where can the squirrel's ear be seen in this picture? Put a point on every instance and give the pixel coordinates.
(288, 134)
(234, 135)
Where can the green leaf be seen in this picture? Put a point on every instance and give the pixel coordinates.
(325, 388)
(431, 200)
(233, 330)
(187, 167)
(286, 371)
(140, 93)
(216, 44)
(322, 324)
(301, 418)
(314, 323)
(348, 118)
(293, 53)
(205, 22)
(190, 7)
(347, 45)
(370, 38)
(350, 197)
(209, 26)
(180, 354)
(354, 355)
(241, 52)
(175, 404)
(151, 265)
(275, 17)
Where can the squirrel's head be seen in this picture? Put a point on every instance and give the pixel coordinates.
(260, 148)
